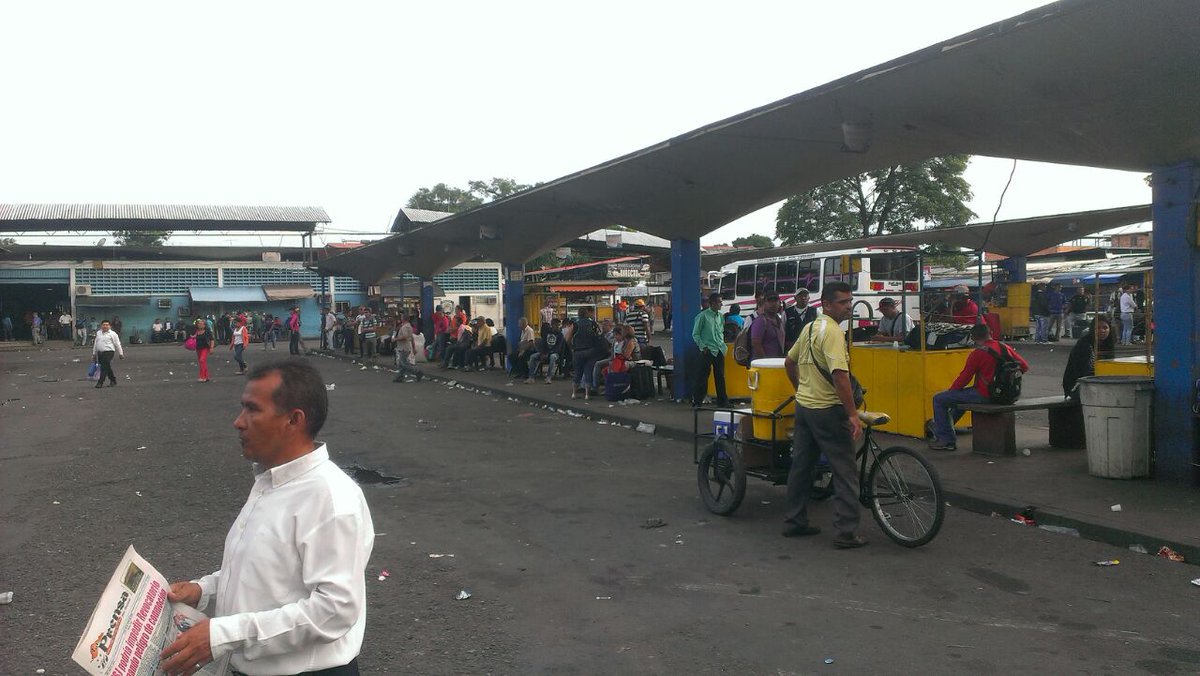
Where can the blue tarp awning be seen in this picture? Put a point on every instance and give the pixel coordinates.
(1083, 278)
(227, 294)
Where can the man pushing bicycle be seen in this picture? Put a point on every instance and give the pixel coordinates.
(826, 420)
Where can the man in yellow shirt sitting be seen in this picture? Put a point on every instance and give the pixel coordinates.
(826, 420)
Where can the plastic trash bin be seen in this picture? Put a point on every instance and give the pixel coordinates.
(1117, 416)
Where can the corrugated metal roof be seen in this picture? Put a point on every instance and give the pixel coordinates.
(181, 216)
(424, 215)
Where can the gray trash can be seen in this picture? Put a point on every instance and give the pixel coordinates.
(1117, 418)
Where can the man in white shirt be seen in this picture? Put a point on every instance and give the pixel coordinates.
(1128, 307)
(66, 324)
(895, 325)
(106, 345)
(330, 325)
(547, 313)
(290, 597)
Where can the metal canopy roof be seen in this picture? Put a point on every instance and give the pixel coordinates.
(1104, 83)
(106, 217)
(1019, 237)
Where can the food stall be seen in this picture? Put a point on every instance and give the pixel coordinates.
(900, 380)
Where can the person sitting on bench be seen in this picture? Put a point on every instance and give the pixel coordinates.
(1098, 343)
(981, 365)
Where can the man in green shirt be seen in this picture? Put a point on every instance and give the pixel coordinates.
(709, 335)
(826, 420)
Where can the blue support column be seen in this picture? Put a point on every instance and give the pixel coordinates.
(1176, 293)
(427, 309)
(685, 305)
(514, 302)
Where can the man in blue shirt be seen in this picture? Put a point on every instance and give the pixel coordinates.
(1056, 302)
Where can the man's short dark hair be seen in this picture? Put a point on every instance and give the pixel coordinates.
(300, 387)
(771, 295)
(980, 332)
(713, 296)
(832, 289)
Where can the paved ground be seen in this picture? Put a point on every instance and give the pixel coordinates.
(543, 515)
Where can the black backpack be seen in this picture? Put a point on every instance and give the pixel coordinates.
(1005, 387)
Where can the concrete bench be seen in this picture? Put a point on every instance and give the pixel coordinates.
(994, 426)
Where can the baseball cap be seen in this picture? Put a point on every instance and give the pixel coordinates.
(887, 301)
(639, 303)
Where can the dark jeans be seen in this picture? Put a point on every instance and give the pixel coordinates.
(584, 361)
(823, 430)
(518, 364)
(946, 411)
(716, 362)
(294, 342)
(105, 359)
(439, 345)
(238, 352)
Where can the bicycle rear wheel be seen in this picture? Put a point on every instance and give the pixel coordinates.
(721, 478)
(906, 496)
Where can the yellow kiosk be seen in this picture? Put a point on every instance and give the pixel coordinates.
(901, 381)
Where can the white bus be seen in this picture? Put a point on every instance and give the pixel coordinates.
(872, 272)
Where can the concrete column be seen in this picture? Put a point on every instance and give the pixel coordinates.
(1176, 294)
(427, 308)
(685, 305)
(514, 301)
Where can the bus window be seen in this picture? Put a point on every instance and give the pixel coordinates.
(728, 282)
(893, 267)
(785, 277)
(833, 271)
(745, 281)
(808, 275)
(766, 277)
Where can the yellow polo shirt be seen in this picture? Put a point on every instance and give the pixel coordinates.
(828, 347)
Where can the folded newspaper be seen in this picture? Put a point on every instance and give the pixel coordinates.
(134, 622)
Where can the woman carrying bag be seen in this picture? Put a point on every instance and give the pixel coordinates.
(237, 343)
(204, 343)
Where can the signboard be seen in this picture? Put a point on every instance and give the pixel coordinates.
(624, 270)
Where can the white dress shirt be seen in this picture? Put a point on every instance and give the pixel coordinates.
(291, 592)
(1128, 305)
(107, 341)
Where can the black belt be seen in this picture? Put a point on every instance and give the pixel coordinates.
(350, 669)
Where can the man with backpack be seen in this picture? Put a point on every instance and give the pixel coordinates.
(996, 369)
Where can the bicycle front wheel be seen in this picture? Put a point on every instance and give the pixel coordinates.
(906, 496)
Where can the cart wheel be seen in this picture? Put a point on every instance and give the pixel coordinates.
(721, 477)
(905, 496)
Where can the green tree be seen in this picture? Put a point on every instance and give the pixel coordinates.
(756, 241)
(902, 198)
(141, 237)
(442, 197)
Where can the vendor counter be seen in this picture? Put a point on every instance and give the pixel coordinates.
(901, 382)
(737, 378)
(1140, 365)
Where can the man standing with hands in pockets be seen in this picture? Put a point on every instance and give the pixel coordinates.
(826, 420)
(290, 597)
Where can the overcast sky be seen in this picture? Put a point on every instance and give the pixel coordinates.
(354, 106)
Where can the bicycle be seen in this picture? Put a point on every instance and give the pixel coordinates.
(899, 486)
